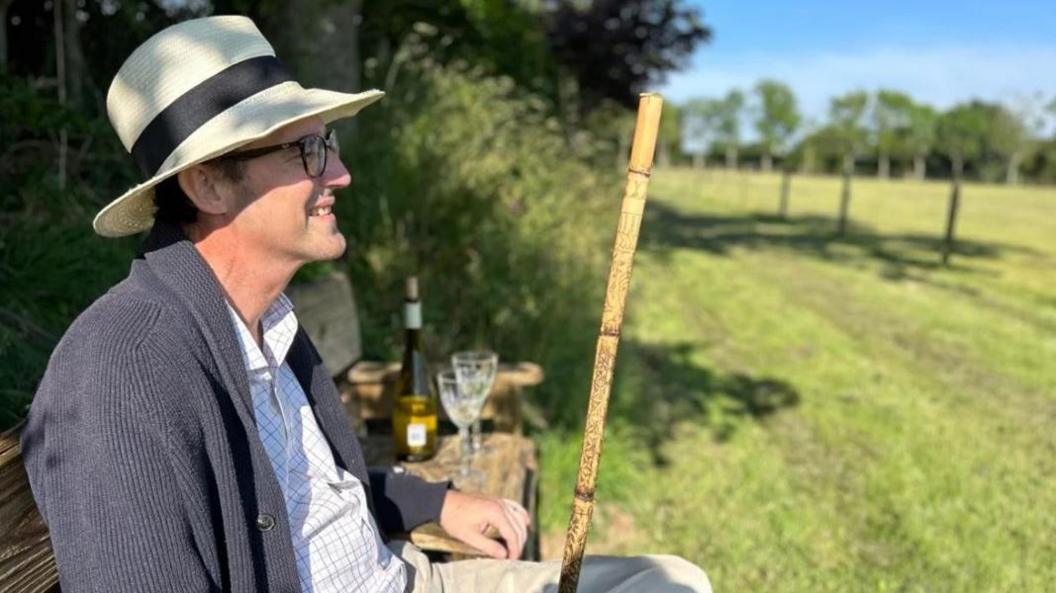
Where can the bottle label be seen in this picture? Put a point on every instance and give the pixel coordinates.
(416, 435)
(412, 315)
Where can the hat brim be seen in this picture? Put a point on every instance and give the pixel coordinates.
(250, 120)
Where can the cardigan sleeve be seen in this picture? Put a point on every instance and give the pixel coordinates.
(100, 470)
(404, 501)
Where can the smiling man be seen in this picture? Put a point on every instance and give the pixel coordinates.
(186, 435)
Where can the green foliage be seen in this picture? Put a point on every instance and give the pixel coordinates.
(613, 48)
(701, 118)
(468, 182)
(1008, 133)
(503, 38)
(847, 113)
(513, 42)
(459, 175)
(777, 115)
(892, 116)
(962, 132)
(920, 131)
(669, 140)
(604, 136)
(51, 263)
(826, 141)
(730, 118)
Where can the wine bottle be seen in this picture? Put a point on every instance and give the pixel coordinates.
(414, 409)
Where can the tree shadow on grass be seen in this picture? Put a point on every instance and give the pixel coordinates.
(659, 386)
(903, 256)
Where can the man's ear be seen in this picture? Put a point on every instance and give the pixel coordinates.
(202, 185)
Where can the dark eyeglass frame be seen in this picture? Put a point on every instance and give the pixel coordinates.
(329, 143)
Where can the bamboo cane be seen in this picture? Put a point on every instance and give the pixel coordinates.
(634, 195)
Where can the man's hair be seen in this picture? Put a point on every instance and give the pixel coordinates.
(173, 205)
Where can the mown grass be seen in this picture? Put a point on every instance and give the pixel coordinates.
(796, 411)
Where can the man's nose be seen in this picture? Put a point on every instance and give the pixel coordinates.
(336, 176)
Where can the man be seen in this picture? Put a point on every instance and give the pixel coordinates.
(186, 436)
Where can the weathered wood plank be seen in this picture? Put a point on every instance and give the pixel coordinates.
(27, 564)
(326, 309)
(371, 386)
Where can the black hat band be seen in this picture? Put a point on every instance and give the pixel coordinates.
(209, 98)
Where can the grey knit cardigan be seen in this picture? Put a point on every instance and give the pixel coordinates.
(142, 451)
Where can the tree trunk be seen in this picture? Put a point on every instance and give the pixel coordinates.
(4, 5)
(807, 165)
(919, 167)
(768, 161)
(60, 83)
(318, 39)
(951, 214)
(1012, 175)
(354, 63)
(731, 157)
(845, 193)
(624, 154)
(76, 76)
(883, 169)
(786, 183)
(663, 155)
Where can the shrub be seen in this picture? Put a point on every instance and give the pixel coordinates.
(469, 183)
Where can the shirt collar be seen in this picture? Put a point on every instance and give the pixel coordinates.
(279, 324)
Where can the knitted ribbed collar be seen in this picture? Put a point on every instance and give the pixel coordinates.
(176, 262)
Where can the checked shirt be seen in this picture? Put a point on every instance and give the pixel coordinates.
(335, 539)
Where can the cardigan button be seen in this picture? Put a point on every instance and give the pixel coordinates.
(265, 522)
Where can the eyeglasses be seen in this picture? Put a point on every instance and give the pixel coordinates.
(314, 150)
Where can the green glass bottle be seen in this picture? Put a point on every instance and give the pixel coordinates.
(414, 410)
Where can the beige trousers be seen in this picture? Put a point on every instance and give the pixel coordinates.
(600, 574)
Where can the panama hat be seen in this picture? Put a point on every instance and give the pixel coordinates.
(197, 90)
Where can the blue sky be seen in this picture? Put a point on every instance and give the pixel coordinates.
(940, 52)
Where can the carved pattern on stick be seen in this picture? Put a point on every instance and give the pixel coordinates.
(575, 542)
(616, 290)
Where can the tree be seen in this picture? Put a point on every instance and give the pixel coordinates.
(700, 127)
(669, 140)
(614, 48)
(961, 134)
(776, 118)
(891, 118)
(1009, 138)
(730, 125)
(805, 153)
(4, 4)
(1017, 130)
(846, 113)
(920, 136)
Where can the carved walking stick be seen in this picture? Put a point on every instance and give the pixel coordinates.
(641, 163)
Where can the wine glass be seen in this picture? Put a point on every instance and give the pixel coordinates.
(463, 407)
(476, 370)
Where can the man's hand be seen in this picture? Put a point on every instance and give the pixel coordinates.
(468, 516)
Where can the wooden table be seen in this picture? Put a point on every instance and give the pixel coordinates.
(511, 471)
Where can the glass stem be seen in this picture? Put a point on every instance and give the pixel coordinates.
(478, 436)
(467, 449)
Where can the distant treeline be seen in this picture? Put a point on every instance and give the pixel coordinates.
(886, 133)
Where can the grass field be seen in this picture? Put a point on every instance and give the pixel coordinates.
(800, 412)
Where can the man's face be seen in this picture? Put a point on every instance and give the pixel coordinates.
(286, 216)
